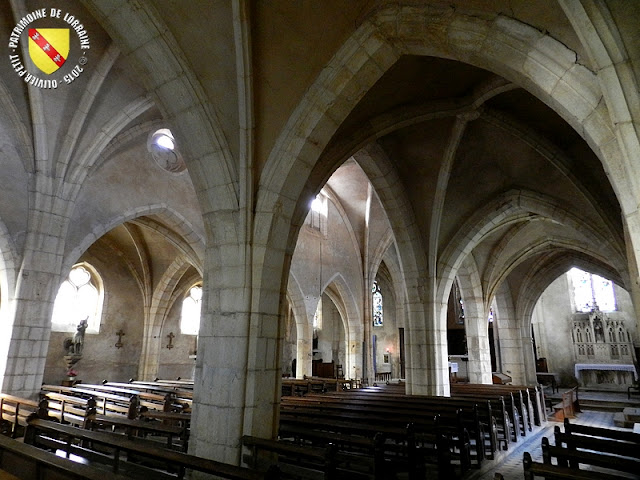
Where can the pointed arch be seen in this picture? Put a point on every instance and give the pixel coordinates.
(164, 296)
(176, 229)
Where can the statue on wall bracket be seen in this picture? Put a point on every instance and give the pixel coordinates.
(73, 347)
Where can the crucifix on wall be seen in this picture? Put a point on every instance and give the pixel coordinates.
(171, 336)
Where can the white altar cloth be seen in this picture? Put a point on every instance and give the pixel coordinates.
(605, 366)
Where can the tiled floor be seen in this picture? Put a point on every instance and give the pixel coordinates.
(509, 464)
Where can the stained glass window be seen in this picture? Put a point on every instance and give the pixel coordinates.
(190, 319)
(78, 298)
(592, 291)
(378, 316)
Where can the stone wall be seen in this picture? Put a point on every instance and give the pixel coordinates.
(122, 310)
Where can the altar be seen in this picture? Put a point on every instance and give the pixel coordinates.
(603, 352)
(606, 374)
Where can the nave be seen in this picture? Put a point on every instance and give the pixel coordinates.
(327, 430)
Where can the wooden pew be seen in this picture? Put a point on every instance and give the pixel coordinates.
(479, 418)
(611, 444)
(573, 458)
(329, 384)
(568, 405)
(117, 400)
(388, 450)
(183, 383)
(22, 461)
(179, 419)
(505, 420)
(614, 453)
(395, 412)
(517, 401)
(354, 430)
(106, 403)
(174, 437)
(304, 461)
(180, 393)
(622, 435)
(152, 401)
(118, 451)
(537, 469)
(68, 408)
(14, 411)
(299, 387)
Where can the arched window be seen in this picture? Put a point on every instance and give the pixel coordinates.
(318, 213)
(592, 291)
(190, 319)
(80, 297)
(378, 316)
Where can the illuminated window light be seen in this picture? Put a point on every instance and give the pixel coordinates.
(165, 141)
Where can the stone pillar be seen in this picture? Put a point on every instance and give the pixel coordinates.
(150, 358)
(237, 371)
(304, 355)
(36, 287)
(427, 357)
(353, 367)
(27, 351)
(528, 356)
(478, 349)
(510, 349)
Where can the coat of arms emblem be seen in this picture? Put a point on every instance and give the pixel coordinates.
(48, 48)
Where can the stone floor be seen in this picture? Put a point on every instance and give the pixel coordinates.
(509, 464)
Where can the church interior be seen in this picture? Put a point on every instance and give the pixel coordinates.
(426, 199)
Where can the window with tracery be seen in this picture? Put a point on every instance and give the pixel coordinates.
(190, 317)
(592, 291)
(80, 297)
(378, 315)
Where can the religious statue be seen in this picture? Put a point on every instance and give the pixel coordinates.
(598, 330)
(74, 344)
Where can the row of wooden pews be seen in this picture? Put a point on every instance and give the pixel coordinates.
(586, 453)
(126, 410)
(66, 421)
(378, 432)
(525, 404)
(135, 458)
(14, 412)
(302, 386)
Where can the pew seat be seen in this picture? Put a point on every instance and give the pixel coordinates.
(21, 461)
(138, 458)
